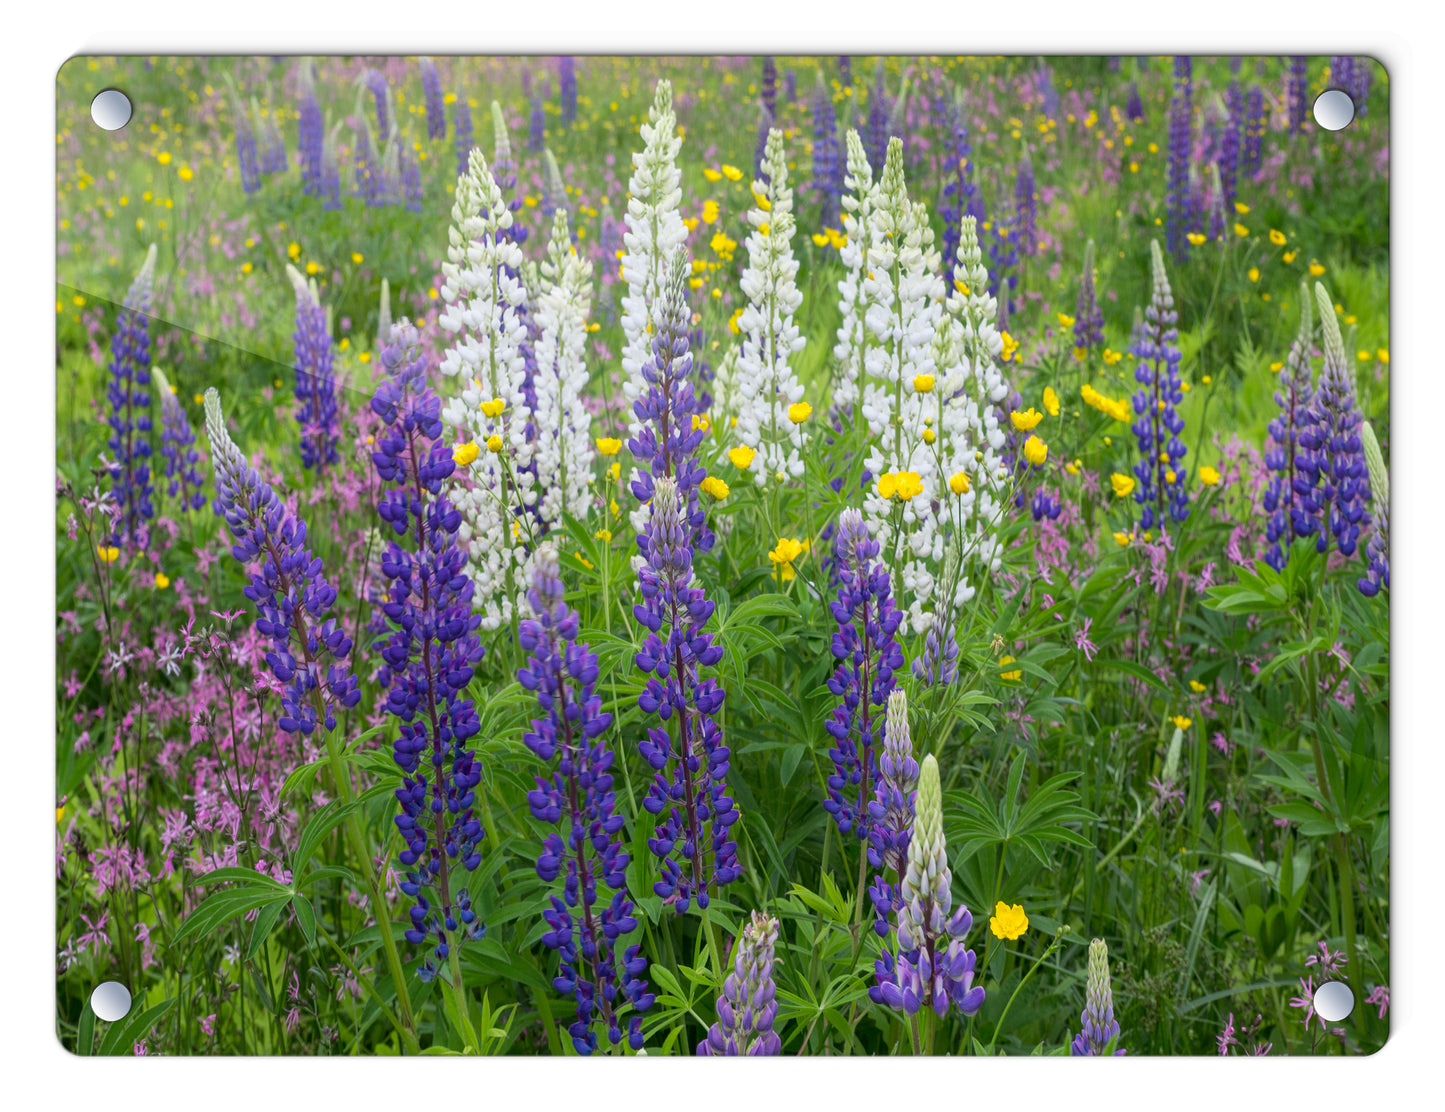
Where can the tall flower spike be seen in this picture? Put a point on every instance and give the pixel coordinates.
(310, 131)
(932, 967)
(436, 111)
(129, 394)
(1100, 1028)
(315, 380)
(748, 1006)
(1288, 498)
(1181, 124)
(851, 350)
(1334, 456)
(1377, 550)
(1026, 208)
(868, 655)
(892, 810)
(577, 795)
(827, 181)
(429, 653)
(1089, 318)
(668, 430)
(654, 234)
(564, 450)
(689, 788)
(1157, 425)
(767, 385)
(178, 446)
(462, 129)
(959, 190)
(482, 293)
(293, 599)
(567, 88)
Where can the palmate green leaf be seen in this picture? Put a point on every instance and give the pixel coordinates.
(261, 928)
(222, 908)
(322, 824)
(122, 1036)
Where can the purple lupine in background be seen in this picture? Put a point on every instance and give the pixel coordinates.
(827, 181)
(1157, 424)
(769, 94)
(429, 653)
(1044, 505)
(375, 81)
(667, 441)
(875, 137)
(368, 178)
(436, 111)
(1026, 208)
(1334, 454)
(1044, 83)
(410, 172)
(245, 143)
(748, 1007)
(1255, 122)
(1088, 317)
(1361, 70)
(688, 793)
(272, 143)
(845, 70)
(178, 447)
(1342, 73)
(315, 380)
(1100, 1028)
(310, 134)
(1177, 210)
(536, 127)
(868, 655)
(891, 810)
(578, 795)
(765, 125)
(1290, 489)
(330, 184)
(790, 87)
(959, 191)
(1230, 146)
(1297, 94)
(932, 967)
(129, 394)
(567, 88)
(1134, 106)
(308, 649)
(1377, 550)
(462, 129)
(504, 170)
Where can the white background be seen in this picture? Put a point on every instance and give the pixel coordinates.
(38, 1074)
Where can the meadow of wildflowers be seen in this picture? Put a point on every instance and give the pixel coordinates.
(722, 556)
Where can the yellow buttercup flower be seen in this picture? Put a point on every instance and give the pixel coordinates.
(787, 551)
(1197, 687)
(887, 485)
(1276, 237)
(464, 454)
(1254, 274)
(1008, 922)
(614, 473)
(1181, 721)
(1196, 238)
(711, 175)
(1051, 401)
(1035, 451)
(608, 446)
(1123, 484)
(732, 173)
(714, 486)
(1122, 539)
(799, 412)
(1065, 321)
(1241, 208)
(108, 554)
(494, 443)
(357, 258)
(1241, 231)
(603, 535)
(1026, 420)
(1208, 476)
(910, 485)
(1316, 270)
(958, 483)
(1111, 357)
(742, 457)
(923, 383)
(493, 408)
(710, 212)
(929, 436)
(162, 581)
(1010, 346)
(701, 421)
(294, 250)
(1017, 674)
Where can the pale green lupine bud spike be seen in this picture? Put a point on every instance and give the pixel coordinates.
(1306, 315)
(775, 165)
(1171, 759)
(860, 174)
(1375, 463)
(330, 314)
(224, 453)
(147, 273)
(897, 735)
(1331, 340)
(893, 181)
(298, 280)
(383, 313)
(502, 138)
(556, 187)
(1088, 271)
(927, 872)
(661, 101)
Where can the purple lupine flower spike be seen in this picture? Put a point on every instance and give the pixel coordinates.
(536, 127)
(315, 381)
(1256, 119)
(376, 82)
(1089, 318)
(748, 1006)
(1157, 424)
(1297, 94)
(308, 648)
(129, 394)
(578, 796)
(1026, 208)
(178, 447)
(567, 88)
(310, 134)
(1334, 456)
(429, 653)
(959, 190)
(246, 157)
(892, 810)
(1181, 124)
(689, 789)
(1100, 1028)
(1289, 495)
(875, 142)
(1377, 550)
(462, 128)
(436, 112)
(1134, 106)
(868, 655)
(827, 180)
(769, 93)
(932, 967)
